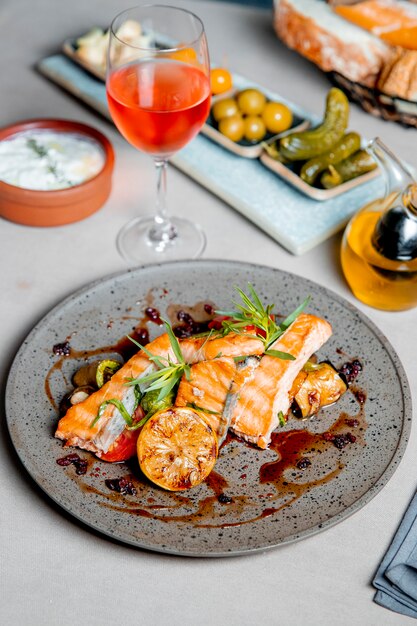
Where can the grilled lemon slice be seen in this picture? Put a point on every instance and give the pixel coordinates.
(177, 449)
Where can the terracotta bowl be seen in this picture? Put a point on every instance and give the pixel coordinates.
(62, 206)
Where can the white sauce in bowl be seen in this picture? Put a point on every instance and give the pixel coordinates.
(45, 160)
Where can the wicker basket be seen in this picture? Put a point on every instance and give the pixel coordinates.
(378, 103)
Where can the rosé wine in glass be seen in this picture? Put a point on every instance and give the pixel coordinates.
(159, 106)
(159, 97)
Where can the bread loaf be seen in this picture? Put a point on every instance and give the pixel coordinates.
(394, 21)
(399, 78)
(312, 28)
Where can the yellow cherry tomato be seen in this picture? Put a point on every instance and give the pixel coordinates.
(232, 127)
(224, 108)
(255, 129)
(277, 117)
(220, 80)
(251, 101)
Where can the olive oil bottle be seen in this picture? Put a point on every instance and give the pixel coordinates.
(379, 247)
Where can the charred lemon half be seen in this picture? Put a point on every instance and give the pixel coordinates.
(177, 449)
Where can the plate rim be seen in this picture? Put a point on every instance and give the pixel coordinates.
(381, 481)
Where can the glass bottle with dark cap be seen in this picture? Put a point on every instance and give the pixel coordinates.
(379, 248)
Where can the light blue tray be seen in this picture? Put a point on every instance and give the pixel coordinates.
(293, 220)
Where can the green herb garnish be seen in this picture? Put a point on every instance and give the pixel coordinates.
(169, 373)
(281, 419)
(40, 150)
(121, 408)
(52, 168)
(251, 312)
(194, 406)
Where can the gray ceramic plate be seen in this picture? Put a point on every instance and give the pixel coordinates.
(272, 502)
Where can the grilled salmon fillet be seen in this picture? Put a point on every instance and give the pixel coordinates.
(75, 427)
(213, 387)
(207, 389)
(267, 394)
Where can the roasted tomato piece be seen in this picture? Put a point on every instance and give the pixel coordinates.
(123, 448)
(217, 322)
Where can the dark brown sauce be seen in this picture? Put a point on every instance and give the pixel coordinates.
(288, 480)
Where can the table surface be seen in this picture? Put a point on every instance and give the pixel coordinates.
(57, 572)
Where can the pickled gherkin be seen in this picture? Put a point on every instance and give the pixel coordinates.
(355, 165)
(350, 143)
(310, 143)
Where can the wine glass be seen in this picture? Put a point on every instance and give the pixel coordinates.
(158, 92)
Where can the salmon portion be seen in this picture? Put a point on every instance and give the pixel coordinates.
(268, 393)
(214, 386)
(207, 388)
(75, 427)
(233, 345)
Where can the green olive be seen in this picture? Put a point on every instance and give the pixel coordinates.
(224, 108)
(232, 127)
(277, 117)
(255, 128)
(251, 102)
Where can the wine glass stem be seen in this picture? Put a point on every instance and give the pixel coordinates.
(163, 231)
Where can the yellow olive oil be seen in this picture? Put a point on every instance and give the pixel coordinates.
(378, 281)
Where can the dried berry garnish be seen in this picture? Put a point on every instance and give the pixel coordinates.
(153, 315)
(360, 396)
(340, 440)
(352, 422)
(223, 499)
(208, 309)
(189, 326)
(66, 460)
(80, 465)
(182, 316)
(303, 463)
(350, 371)
(121, 485)
(62, 349)
(141, 335)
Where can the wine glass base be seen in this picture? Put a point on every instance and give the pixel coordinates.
(136, 246)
